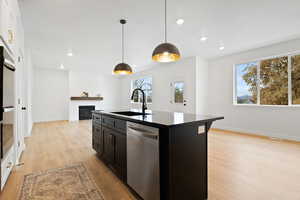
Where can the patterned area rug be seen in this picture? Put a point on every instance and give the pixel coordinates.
(69, 183)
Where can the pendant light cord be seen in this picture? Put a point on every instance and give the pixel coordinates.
(165, 21)
(122, 43)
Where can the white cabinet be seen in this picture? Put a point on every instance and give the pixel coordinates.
(11, 33)
(6, 166)
(8, 23)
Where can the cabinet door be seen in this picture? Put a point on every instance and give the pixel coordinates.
(108, 146)
(97, 139)
(120, 156)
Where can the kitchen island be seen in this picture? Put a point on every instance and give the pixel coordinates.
(169, 159)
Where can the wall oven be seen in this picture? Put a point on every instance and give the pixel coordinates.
(7, 101)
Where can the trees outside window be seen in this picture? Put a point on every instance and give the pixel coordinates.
(266, 82)
(274, 81)
(246, 83)
(295, 79)
(178, 92)
(146, 85)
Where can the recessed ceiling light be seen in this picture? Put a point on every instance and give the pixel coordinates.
(62, 66)
(221, 47)
(179, 21)
(203, 38)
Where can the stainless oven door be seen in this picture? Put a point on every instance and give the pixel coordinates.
(8, 85)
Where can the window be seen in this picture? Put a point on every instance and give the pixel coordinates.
(274, 81)
(144, 84)
(246, 83)
(295, 79)
(178, 92)
(268, 81)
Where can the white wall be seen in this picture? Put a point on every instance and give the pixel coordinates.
(282, 122)
(95, 83)
(162, 76)
(53, 88)
(201, 86)
(50, 95)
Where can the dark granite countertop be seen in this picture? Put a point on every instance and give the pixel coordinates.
(161, 118)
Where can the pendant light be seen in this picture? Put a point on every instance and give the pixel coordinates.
(165, 52)
(122, 68)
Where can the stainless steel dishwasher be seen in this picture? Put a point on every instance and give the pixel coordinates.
(143, 160)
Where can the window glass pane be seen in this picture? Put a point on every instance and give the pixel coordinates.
(136, 95)
(146, 85)
(178, 92)
(274, 81)
(246, 83)
(296, 79)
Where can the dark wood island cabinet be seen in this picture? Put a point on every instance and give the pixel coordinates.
(182, 149)
(109, 141)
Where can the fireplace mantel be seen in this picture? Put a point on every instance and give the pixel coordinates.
(86, 98)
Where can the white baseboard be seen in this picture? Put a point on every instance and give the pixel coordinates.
(259, 132)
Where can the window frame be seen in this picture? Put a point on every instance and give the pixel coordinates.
(131, 90)
(290, 103)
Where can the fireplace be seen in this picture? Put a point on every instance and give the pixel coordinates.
(85, 112)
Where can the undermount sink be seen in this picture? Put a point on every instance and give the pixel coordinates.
(130, 113)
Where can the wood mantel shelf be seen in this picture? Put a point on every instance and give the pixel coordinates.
(86, 98)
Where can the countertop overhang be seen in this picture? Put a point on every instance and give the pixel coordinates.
(162, 119)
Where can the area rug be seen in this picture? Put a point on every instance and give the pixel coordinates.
(69, 183)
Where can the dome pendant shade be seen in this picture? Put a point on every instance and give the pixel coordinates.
(122, 69)
(166, 52)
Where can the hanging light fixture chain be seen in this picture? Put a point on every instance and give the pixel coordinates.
(122, 43)
(122, 68)
(165, 20)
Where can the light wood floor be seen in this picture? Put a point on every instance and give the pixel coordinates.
(240, 167)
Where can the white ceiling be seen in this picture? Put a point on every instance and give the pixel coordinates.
(91, 29)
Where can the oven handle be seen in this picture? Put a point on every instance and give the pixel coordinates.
(8, 109)
(9, 65)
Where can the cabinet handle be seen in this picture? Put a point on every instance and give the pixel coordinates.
(9, 165)
(11, 36)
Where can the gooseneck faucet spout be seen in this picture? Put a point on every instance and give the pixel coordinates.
(144, 107)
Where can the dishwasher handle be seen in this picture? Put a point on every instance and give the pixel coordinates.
(143, 132)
